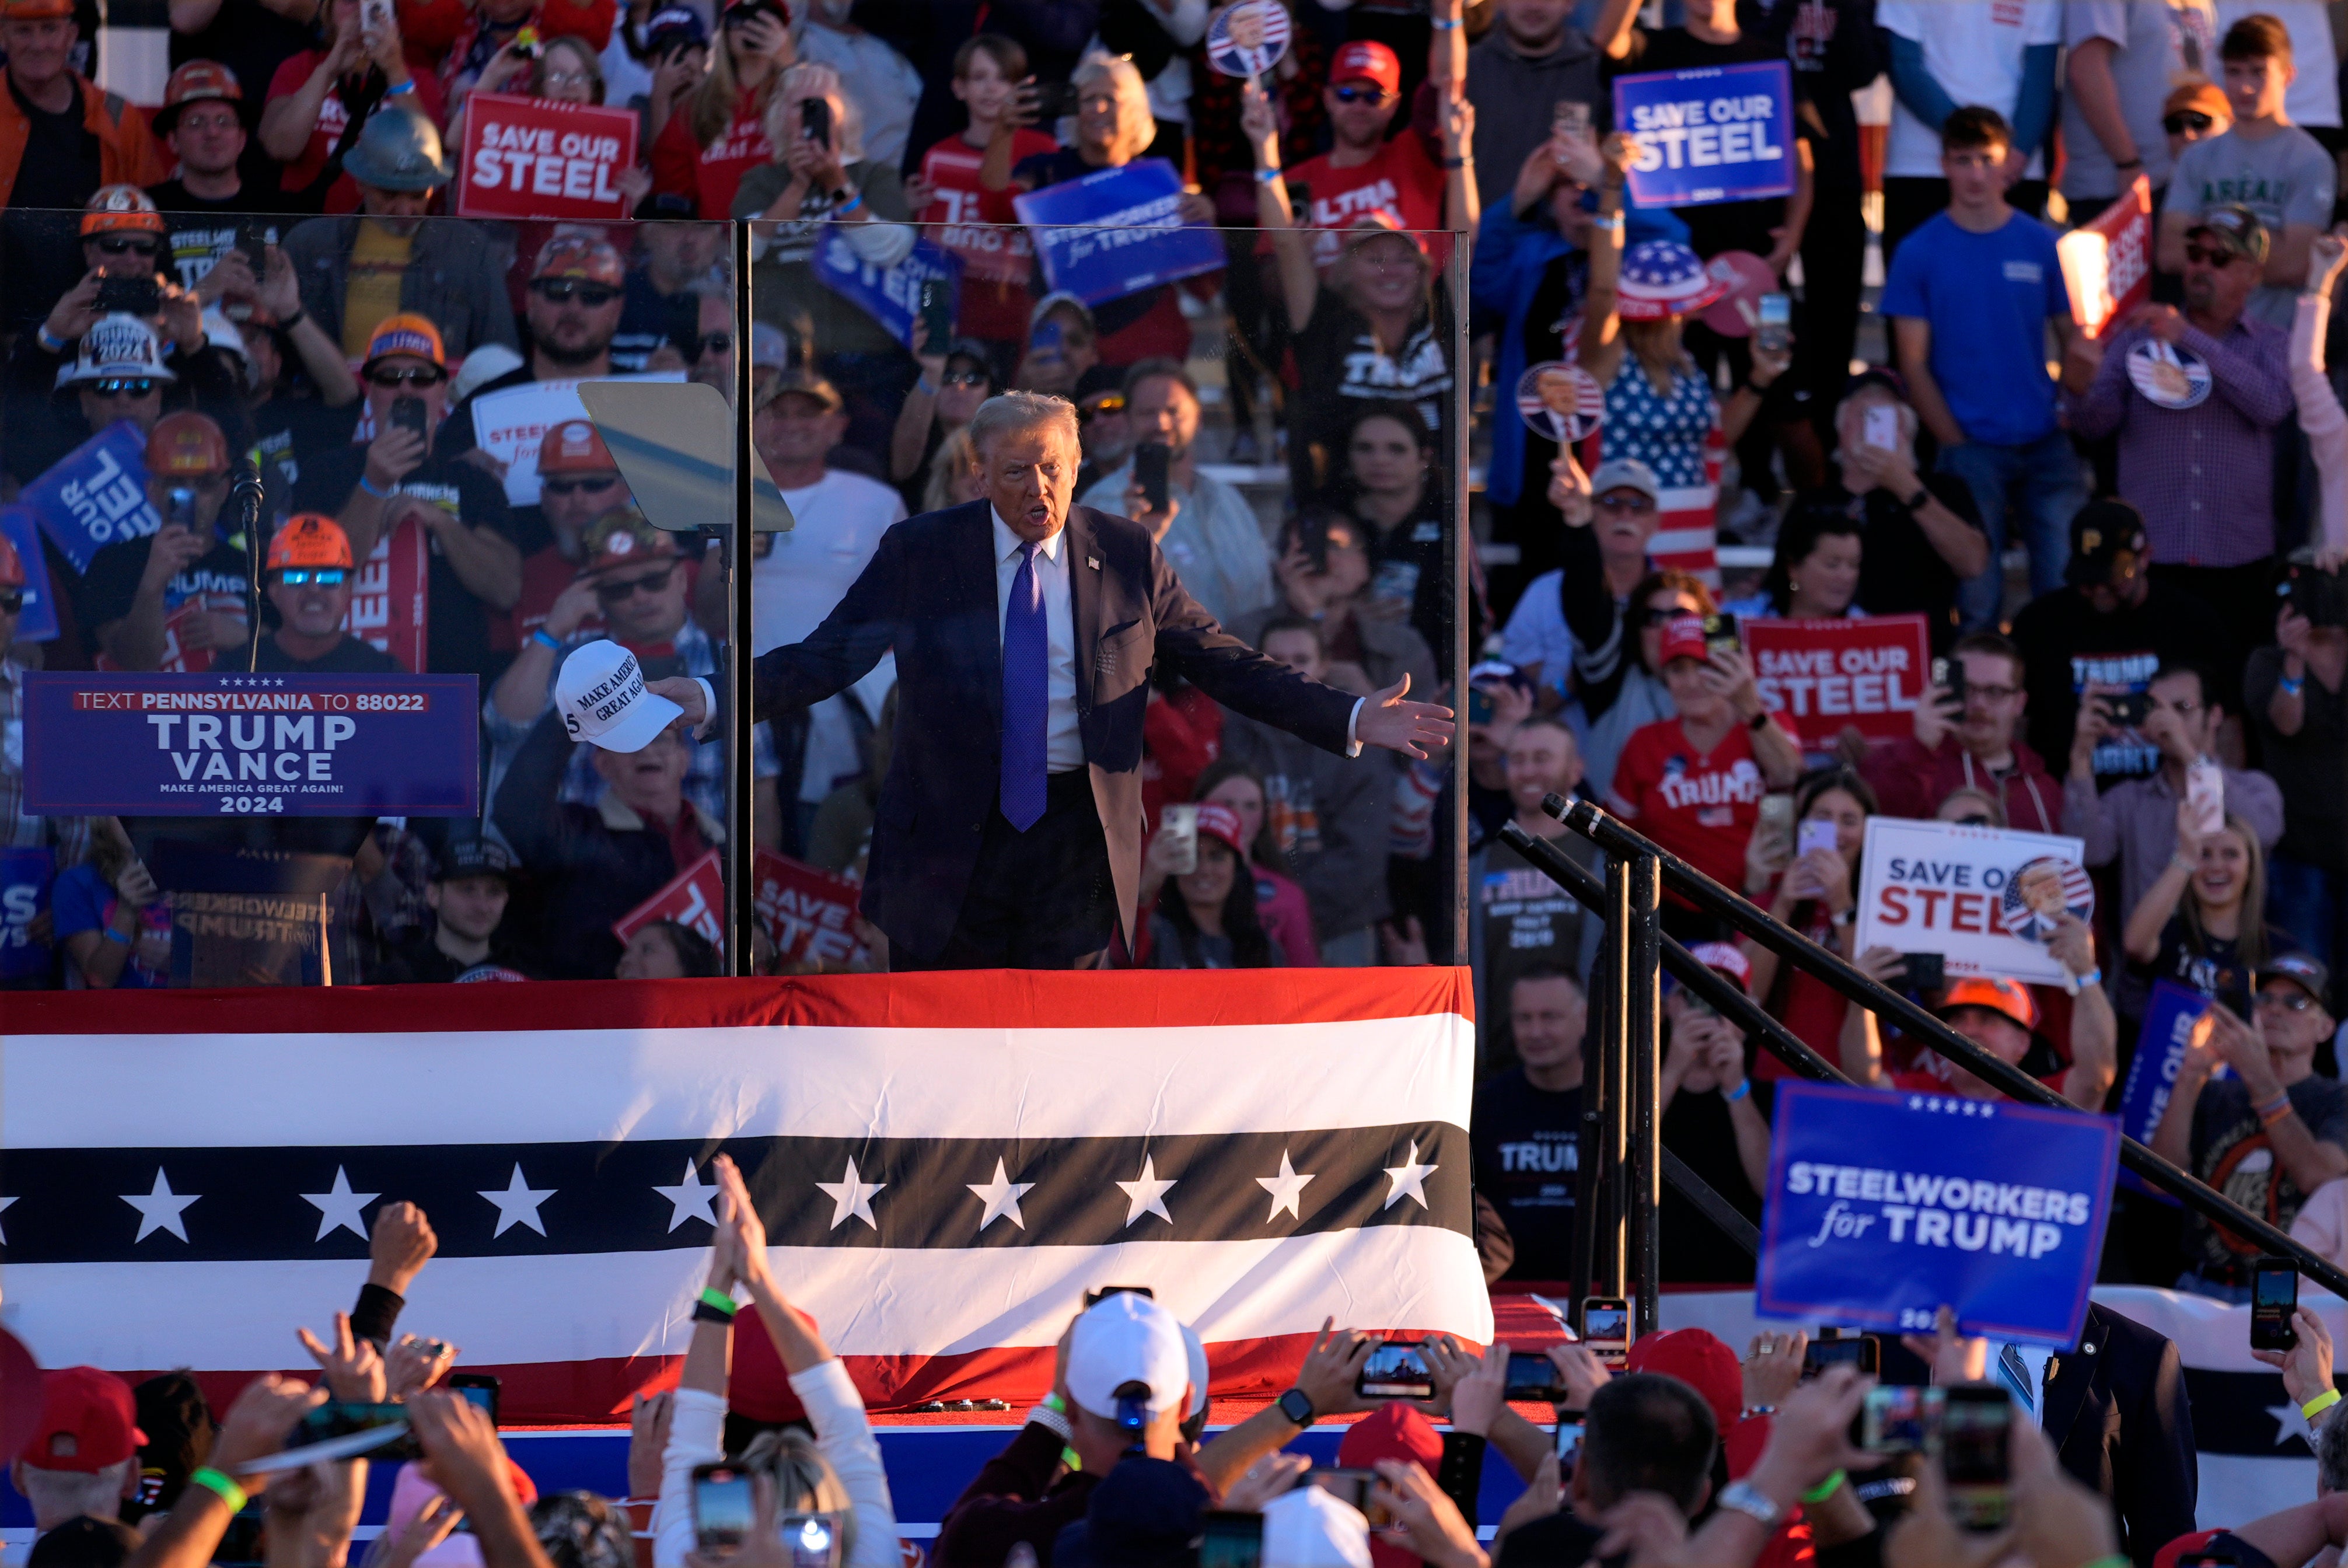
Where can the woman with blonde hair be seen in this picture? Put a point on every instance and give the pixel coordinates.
(1113, 127)
(837, 1474)
(719, 134)
(2200, 924)
(954, 473)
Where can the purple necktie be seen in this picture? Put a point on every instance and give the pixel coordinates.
(1026, 695)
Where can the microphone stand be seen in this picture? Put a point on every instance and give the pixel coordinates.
(247, 493)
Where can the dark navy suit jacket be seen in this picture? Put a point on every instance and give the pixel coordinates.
(929, 593)
(2119, 1421)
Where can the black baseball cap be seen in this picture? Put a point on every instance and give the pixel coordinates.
(2237, 228)
(2302, 970)
(475, 857)
(2107, 543)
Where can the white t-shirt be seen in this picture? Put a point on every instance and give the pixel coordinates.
(841, 519)
(1973, 49)
(1536, 633)
(2314, 96)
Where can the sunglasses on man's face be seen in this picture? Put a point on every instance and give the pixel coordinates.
(712, 343)
(1100, 408)
(614, 593)
(123, 386)
(121, 246)
(1360, 95)
(963, 378)
(2177, 124)
(572, 487)
(308, 576)
(2203, 256)
(422, 376)
(562, 291)
(2289, 998)
(11, 600)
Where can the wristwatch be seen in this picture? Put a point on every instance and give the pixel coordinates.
(1924, 493)
(1297, 1405)
(1748, 1501)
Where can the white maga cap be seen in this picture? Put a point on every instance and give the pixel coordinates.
(1127, 1338)
(602, 696)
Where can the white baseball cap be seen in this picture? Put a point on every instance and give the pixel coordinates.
(602, 696)
(1126, 1339)
(1308, 1528)
(1194, 1353)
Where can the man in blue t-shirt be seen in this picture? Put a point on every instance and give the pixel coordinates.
(1972, 293)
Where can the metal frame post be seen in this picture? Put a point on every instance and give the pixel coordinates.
(741, 910)
(1642, 1040)
(1613, 1089)
(1462, 569)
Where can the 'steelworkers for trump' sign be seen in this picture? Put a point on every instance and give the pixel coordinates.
(509, 424)
(1821, 678)
(1116, 232)
(1884, 1207)
(251, 745)
(2107, 263)
(533, 157)
(1718, 133)
(1986, 899)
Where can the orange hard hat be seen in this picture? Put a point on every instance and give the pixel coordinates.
(309, 539)
(574, 446)
(186, 444)
(2007, 998)
(114, 208)
(194, 82)
(35, 10)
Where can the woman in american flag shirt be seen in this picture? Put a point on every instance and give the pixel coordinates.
(1660, 407)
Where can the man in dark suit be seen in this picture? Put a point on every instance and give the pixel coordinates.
(1008, 830)
(2114, 1408)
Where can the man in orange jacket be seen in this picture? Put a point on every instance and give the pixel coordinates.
(49, 108)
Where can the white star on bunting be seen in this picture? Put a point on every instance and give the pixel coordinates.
(338, 1207)
(1001, 1197)
(691, 1197)
(160, 1210)
(851, 1197)
(1409, 1177)
(518, 1204)
(4, 1230)
(1146, 1196)
(1287, 1190)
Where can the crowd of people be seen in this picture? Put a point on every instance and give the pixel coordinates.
(263, 268)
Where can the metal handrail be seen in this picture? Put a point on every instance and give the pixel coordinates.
(1620, 842)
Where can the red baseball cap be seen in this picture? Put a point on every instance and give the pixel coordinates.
(1725, 958)
(1697, 1357)
(88, 1421)
(1217, 820)
(1364, 61)
(1683, 639)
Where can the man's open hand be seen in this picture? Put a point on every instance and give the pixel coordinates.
(1409, 728)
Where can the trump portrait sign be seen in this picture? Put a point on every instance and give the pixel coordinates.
(1821, 678)
(1987, 899)
(1883, 1207)
(1718, 133)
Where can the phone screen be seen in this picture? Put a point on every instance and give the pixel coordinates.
(1816, 834)
(479, 1387)
(815, 119)
(1883, 428)
(812, 1539)
(723, 1507)
(1896, 1419)
(1151, 461)
(1606, 1327)
(407, 413)
(937, 313)
(1568, 1449)
(1394, 1371)
(1230, 1540)
(2274, 1296)
(1532, 1376)
(1720, 634)
(1976, 1424)
(1860, 1350)
(1179, 823)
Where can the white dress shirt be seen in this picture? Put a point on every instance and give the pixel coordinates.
(1063, 742)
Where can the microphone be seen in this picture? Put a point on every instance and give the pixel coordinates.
(247, 490)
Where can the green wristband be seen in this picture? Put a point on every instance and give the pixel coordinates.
(2114, 1560)
(1825, 1488)
(2321, 1403)
(219, 1486)
(719, 1300)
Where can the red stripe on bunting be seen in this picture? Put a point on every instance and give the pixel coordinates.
(966, 1000)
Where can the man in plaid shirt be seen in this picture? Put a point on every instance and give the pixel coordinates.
(2195, 398)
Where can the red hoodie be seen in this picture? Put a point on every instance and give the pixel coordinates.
(1911, 781)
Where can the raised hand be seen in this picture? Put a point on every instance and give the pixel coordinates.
(353, 1369)
(415, 1364)
(258, 1422)
(1408, 727)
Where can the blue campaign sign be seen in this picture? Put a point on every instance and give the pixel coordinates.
(1117, 232)
(1883, 1207)
(37, 621)
(251, 745)
(1718, 133)
(24, 878)
(2168, 1020)
(95, 495)
(890, 296)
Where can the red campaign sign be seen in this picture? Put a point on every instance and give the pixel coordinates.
(695, 900)
(2107, 263)
(810, 914)
(1823, 676)
(530, 158)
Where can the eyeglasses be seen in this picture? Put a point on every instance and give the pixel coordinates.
(1631, 505)
(1360, 95)
(1112, 404)
(119, 245)
(124, 387)
(572, 487)
(307, 576)
(565, 79)
(423, 375)
(978, 378)
(2290, 999)
(2202, 256)
(613, 593)
(186, 122)
(712, 343)
(1972, 820)
(562, 291)
(1652, 616)
(11, 600)
(2186, 120)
